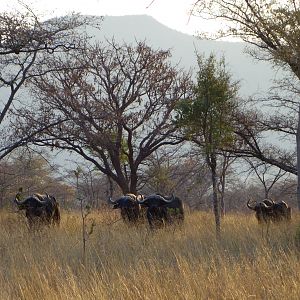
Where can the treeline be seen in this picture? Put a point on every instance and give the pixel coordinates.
(142, 124)
(34, 174)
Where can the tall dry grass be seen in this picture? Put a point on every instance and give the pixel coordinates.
(133, 263)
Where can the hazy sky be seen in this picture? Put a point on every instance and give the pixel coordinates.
(172, 13)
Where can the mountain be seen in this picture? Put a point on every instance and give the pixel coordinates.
(255, 76)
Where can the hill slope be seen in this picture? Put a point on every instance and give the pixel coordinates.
(255, 76)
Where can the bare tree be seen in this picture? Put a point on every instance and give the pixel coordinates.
(93, 185)
(117, 111)
(265, 174)
(250, 129)
(183, 173)
(25, 42)
(24, 168)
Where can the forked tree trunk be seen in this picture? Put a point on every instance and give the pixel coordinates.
(221, 189)
(222, 201)
(221, 186)
(133, 182)
(216, 206)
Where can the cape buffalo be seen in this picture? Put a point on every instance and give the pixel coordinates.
(281, 211)
(268, 210)
(163, 210)
(131, 211)
(40, 209)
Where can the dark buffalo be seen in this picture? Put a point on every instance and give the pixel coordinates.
(281, 211)
(268, 210)
(263, 211)
(40, 209)
(162, 210)
(131, 211)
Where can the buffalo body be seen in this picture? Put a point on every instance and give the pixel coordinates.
(270, 211)
(163, 210)
(40, 209)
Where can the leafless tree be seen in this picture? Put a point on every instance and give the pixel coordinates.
(25, 42)
(116, 111)
(250, 128)
(93, 185)
(179, 172)
(28, 170)
(266, 175)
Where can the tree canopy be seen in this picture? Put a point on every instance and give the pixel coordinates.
(272, 30)
(207, 116)
(25, 44)
(115, 106)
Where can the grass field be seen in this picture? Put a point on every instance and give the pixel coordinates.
(133, 263)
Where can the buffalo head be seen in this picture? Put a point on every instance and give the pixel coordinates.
(129, 206)
(263, 211)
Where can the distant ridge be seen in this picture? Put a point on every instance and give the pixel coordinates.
(255, 76)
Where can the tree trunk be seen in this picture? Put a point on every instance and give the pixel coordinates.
(298, 158)
(266, 193)
(133, 182)
(110, 189)
(216, 208)
(222, 193)
(222, 184)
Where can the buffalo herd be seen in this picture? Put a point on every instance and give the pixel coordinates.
(156, 209)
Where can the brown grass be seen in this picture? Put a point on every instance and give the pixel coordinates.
(133, 263)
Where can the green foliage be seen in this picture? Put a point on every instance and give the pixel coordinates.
(209, 113)
(124, 151)
(173, 211)
(120, 143)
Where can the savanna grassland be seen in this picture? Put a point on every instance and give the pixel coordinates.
(133, 263)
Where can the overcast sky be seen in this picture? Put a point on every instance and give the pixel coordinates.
(172, 13)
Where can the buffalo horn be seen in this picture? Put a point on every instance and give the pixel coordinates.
(248, 204)
(37, 197)
(110, 200)
(166, 200)
(42, 199)
(142, 200)
(17, 201)
(140, 197)
(157, 196)
(146, 198)
(132, 196)
(268, 202)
